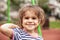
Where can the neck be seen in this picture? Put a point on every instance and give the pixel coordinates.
(29, 31)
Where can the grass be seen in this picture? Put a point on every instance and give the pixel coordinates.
(55, 24)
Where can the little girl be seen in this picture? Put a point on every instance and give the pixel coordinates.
(30, 17)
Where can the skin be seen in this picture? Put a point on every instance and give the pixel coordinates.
(29, 22)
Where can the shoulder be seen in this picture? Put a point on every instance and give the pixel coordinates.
(16, 33)
(17, 30)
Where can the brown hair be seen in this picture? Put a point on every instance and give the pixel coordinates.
(38, 11)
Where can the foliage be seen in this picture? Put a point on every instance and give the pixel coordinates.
(46, 8)
(42, 2)
(15, 4)
(55, 24)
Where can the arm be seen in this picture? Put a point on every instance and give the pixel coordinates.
(6, 29)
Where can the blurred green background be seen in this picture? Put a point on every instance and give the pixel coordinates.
(53, 20)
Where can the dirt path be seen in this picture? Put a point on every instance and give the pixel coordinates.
(51, 34)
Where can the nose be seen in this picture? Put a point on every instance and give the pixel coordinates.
(30, 20)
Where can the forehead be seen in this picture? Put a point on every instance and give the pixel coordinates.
(30, 13)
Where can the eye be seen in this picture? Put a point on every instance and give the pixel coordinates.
(34, 18)
(26, 17)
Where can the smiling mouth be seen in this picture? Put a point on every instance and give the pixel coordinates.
(30, 24)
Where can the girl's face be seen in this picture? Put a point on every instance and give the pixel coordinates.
(30, 21)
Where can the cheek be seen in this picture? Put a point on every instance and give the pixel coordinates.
(37, 22)
(24, 21)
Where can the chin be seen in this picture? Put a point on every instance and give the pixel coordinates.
(30, 29)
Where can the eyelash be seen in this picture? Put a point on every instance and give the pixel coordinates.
(33, 18)
(28, 18)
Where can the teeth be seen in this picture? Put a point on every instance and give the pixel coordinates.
(30, 23)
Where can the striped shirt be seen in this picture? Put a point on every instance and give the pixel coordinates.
(19, 34)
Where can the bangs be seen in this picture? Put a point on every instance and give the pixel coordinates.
(30, 9)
